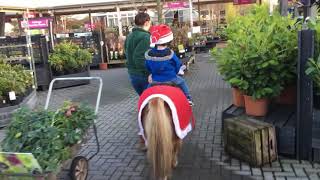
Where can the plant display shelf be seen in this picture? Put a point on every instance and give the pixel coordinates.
(119, 61)
(6, 113)
(283, 117)
(15, 50)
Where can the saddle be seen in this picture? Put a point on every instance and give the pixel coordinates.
(172, 84)
(181, 111)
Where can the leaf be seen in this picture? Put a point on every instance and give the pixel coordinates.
(309, 70)
(18, 135)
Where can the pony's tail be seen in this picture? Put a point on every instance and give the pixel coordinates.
(160, 138)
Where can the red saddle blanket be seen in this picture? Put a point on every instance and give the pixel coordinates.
(182, 115)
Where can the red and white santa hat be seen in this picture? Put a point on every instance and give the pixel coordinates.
(160, 34)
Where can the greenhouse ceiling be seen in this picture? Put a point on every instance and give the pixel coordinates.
(50, 4)
(57, 4)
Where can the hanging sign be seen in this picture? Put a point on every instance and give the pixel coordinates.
(36, 23)
(239, 2)
(176, 5)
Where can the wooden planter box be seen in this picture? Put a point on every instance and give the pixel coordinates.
(6, 112)
(250, 140)
(64, 84)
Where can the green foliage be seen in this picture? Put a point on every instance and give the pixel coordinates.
(313, 65)
(313, 70)
(260, 57)
(48, 135)
(69, 57)
(14, 78)
(221, 32)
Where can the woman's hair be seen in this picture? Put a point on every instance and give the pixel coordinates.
(141, 18)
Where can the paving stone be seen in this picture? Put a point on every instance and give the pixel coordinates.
(313, 177)
(287, 167)
(300, 172)
(271, 169)
(286, 174)
(280, 178)
(247, 173)
(297, 178)
(256, 171)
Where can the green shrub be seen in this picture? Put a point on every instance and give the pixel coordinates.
(14, 78)
(260, 57)
(69, 57)
(48, 135)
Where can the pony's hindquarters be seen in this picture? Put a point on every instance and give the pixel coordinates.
(160, 137)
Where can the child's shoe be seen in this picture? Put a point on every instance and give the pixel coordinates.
(181, 71)
(191, 103)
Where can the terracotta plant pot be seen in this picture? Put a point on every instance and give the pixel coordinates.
(288, 96)
(257, 107)
(238, 99)
(103, 66)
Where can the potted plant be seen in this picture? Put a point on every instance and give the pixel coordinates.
(258, 58)
(229, 68)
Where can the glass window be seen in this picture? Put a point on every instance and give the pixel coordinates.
(124, 21)
(131, 20)
(169, 14)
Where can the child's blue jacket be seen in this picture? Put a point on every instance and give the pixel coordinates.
(164, 65)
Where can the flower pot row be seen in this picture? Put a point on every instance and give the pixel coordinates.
(259, 107)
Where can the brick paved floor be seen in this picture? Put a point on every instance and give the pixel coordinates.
(202, 156)
(117, 128)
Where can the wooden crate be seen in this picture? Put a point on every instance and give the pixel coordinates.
(250, 140)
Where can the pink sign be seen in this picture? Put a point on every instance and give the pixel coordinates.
(176, 5)
(243, 2)
(89, 26)
(38, 23)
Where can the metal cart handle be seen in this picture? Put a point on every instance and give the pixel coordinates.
(76, 78)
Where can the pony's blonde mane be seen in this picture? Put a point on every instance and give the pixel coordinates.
(160, 136)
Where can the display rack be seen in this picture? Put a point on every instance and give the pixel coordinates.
(15, 51)
(114, 46)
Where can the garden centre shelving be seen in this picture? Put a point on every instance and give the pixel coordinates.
(15, 51)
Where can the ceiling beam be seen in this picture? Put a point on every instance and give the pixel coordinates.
(95, 8)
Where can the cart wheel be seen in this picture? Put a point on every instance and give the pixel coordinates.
(79, 168)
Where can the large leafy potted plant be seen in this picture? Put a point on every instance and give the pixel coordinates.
(259, 58)
(69, 60)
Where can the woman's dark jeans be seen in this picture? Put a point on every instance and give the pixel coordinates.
(139, 83)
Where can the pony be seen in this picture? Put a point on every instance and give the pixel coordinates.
(163, 145)
(165, 118)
